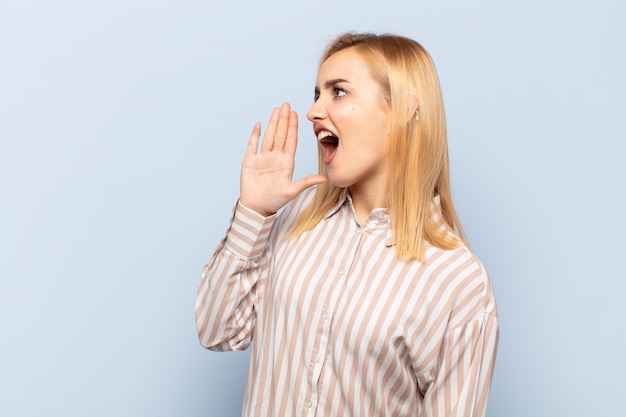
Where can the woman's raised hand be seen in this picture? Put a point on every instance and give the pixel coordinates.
(266, 183)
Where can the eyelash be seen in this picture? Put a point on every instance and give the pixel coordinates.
(337, 93)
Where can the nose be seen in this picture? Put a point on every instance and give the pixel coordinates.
(317, 111)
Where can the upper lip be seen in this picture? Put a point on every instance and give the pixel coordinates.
(321, 128)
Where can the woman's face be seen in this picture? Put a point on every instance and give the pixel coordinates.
(350, 123)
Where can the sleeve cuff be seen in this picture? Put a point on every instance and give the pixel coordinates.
(249, 232)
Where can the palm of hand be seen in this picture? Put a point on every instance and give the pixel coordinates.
(266, 176)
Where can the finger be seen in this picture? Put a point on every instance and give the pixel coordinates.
(253, 142)
(292, 134)
(270, 131)
(282, 128)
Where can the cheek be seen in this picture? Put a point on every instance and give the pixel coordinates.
(345, 114)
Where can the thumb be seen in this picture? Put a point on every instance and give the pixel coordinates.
(310, 180)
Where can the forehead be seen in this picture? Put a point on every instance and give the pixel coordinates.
(347, 64)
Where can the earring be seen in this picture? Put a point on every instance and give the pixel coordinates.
(417, 116)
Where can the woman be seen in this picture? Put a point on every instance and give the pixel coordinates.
(361, 297)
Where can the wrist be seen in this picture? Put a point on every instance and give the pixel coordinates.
(252, 207)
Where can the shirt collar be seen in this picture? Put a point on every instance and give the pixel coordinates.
(344, 198)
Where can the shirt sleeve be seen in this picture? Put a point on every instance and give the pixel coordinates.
(232, 282)
(460, 384)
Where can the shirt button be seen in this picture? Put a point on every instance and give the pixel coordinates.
(381, 216)
(316, 359)
(325, 315)
(308, 403)
(342, 272)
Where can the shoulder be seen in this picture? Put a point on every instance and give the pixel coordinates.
(463, 284)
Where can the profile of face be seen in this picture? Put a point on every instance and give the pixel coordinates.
(351, 122)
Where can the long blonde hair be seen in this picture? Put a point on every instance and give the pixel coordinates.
(419, 148)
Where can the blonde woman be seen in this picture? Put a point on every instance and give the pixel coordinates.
(360, 297)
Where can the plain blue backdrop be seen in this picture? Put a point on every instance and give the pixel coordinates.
(122, 128)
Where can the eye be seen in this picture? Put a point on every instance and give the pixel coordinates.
(338, 92)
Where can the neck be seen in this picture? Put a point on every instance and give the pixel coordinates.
(366, 198)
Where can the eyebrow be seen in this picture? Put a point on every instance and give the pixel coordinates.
(330, 83)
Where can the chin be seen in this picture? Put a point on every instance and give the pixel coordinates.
(339, 182)
(339, 179)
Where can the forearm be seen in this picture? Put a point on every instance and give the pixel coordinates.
(225, 303)
(232, 283)
(462, 378)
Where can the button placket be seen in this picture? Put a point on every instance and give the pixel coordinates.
(318, 350)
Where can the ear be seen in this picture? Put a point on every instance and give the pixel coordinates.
(412, 107)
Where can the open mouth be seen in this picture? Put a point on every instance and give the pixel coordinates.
(329, 143)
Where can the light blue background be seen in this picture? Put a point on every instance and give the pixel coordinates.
(122, 128)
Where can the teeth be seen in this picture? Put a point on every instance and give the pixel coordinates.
(323, 134)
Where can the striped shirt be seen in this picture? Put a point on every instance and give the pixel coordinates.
(340, 326)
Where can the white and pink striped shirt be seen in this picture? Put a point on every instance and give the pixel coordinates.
(340, 327)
